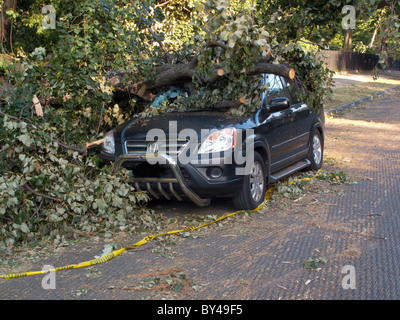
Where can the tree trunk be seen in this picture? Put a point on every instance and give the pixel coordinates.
(278, 69)
(5, 21)
(347, 41)
(183, 73)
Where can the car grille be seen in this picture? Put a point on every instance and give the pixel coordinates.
(143, 169)
(171, 149)
(157, 179)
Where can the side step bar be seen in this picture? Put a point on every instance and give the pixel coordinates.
(289, 170)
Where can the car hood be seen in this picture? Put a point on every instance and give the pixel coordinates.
(173, 123)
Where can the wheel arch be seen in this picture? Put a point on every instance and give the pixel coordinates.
(318, 126)
(262, 148)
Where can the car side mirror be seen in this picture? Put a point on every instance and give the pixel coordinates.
(278, 104)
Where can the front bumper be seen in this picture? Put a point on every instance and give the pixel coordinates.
(178, 178)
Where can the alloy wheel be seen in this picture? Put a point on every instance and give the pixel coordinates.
(256, 181)
(317, 149)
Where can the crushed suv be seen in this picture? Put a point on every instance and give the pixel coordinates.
(203, 154)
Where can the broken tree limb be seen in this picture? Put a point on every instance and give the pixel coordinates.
(217, 43)
(220, 72)
(184, 72)
(171, 75)
(227, 104)
(178, 73)
(278, 69)
(81, 151)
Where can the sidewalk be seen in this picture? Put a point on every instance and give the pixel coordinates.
(345, 79)
(351, 89)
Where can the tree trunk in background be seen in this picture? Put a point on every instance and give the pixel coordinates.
(5, 21)
(347, 41)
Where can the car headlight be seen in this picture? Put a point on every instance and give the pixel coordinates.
(220, 140)
(109, 144)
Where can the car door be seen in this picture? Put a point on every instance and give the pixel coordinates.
(300, 116)
(277, 126)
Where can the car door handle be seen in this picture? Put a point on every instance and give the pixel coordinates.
(290, 115)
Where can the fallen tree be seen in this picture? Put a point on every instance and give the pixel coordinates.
(183, 73)
(225, 67)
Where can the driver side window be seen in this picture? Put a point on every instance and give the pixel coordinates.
(296, 91)
(274, 88)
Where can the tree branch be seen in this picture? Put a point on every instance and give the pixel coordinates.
(183, 73)
(278, 69)
(227, 104)
(73, 148)
(217, 43)
(28, 188)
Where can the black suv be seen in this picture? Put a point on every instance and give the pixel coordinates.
(202, 154)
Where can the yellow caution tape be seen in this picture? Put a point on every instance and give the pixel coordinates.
(145, 240)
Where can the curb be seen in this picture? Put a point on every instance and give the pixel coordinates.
(357, 102)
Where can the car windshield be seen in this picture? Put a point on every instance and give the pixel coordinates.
(166, 97)
(272, 87)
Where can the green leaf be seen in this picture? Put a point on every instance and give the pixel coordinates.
(178, 287)
(24, 228)
(323, 260)
(314, 262)
(54, 218)
(159, 14)
(231, 42)
(224, 35)
(25, 139)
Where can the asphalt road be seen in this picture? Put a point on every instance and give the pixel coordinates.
(357, 228)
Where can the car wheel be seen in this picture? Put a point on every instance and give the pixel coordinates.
(252, 192)
(316, 151)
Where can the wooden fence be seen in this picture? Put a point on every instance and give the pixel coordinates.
(353, 61)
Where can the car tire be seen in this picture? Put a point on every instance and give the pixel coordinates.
(252, 192)
(316, 151)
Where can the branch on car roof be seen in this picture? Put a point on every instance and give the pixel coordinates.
(278, 69)
(183, 73)
(227, 104)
